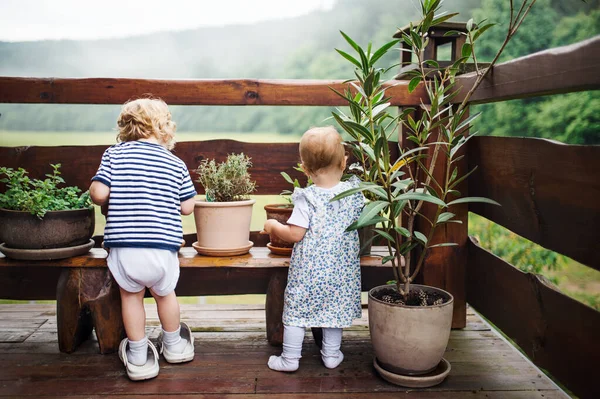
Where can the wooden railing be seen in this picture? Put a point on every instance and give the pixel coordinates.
(550, 193)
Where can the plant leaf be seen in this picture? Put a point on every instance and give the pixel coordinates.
(421, 237)
(473, 199)
(414, 82)
(349, 58)
(444, 217)
(445, 244)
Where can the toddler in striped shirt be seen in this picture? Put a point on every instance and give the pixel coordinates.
(147, 189)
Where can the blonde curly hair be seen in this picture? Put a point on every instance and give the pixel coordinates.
(322, 148)
(145, 118)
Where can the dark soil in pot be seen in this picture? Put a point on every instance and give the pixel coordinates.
(418, 297)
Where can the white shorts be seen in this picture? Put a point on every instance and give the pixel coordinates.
(134, 269)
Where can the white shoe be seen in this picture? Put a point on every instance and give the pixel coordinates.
(188, 352)
(144, 372)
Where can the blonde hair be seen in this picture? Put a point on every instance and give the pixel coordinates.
(322, 148)
(145, 118)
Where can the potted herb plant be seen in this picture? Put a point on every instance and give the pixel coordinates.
(409, 323)
(281, 213)
(223, 218)
(39, 219)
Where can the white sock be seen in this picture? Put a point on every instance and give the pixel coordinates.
(330, 350)
(292, 350)
(173, 341)
(137, 352)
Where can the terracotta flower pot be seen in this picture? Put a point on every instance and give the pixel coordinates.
(223, 228)
(409, 340)
(281, 213)
(58, 229)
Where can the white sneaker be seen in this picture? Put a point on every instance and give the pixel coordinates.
(144, 372)
(188, 352)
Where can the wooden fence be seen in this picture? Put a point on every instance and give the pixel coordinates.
(550, 193)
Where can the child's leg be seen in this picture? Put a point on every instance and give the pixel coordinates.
(168, 313)
(330, 351)
(292, 350)
(134, 320)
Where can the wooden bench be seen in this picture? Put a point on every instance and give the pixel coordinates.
(87, 297)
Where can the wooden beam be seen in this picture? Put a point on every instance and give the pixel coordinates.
(558, 70)
(556, 332)
(549, 192)
(188, 92)
(200, 275)
(80, 163)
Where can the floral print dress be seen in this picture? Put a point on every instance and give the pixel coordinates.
(323, 288)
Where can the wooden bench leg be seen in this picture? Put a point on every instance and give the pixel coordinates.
(88, 298)
(274, 307)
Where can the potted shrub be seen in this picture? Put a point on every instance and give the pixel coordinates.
(223, 218)
(410, 324)
(40, 220)
(281, 213)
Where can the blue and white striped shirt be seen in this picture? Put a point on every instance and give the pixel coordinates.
(147, 185)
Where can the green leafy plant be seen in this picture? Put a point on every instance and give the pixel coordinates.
(286, 194)
(227, 181)
(398, 188)
(40, 196)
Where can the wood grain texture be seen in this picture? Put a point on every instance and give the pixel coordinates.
(200, 275)
(189, 92)
(556, 332)
(549, 192)
(558, 70)
(80, 163)
(483, 365)
(445, 267)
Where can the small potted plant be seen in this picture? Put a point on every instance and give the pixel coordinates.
(281, 213)
(409, 323)
(41, 220)
(223, 218)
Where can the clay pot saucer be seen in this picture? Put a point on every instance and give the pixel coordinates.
(223, 251)
(283, 251)
(46, 254)
(430, 379)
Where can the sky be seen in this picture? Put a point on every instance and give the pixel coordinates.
(27, 20)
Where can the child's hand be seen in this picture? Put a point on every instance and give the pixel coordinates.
(270, 225)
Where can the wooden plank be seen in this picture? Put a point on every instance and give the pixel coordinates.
(548, 191)
(200, 275)
(556, 332)
(558, 70)
(528, 394)
(80, 163)
(189, 92)
(444, 267)
(258, 257)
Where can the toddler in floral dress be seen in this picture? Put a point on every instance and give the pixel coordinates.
(323, 288)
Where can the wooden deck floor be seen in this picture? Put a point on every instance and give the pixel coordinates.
(231, 356)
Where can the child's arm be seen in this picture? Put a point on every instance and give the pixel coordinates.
(289, 233)
(187, 206)
(99, 193)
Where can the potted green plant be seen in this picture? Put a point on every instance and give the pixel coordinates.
(39, 219)
(223, 218)
(409, 323)
(281, 213)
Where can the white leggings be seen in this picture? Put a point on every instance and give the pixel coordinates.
(293, 337)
